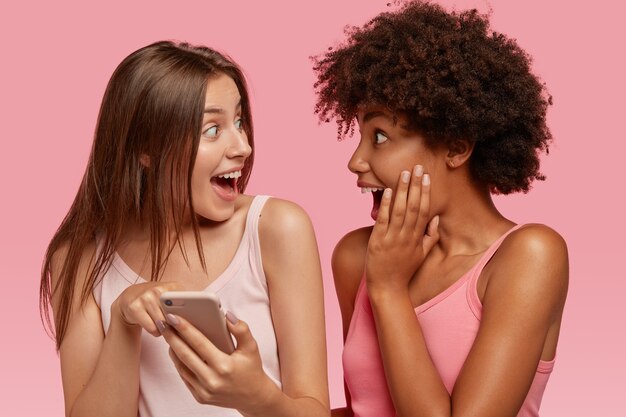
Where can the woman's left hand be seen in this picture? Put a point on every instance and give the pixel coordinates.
(214, 377)
(403, 234)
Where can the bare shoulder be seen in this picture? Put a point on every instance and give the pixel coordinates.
(281, 219)
(349, 254)
(535, 242)
(288, 243)
(60, 255)
(536, 260)
(538, 234)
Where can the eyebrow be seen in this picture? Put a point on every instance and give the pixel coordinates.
(219, 110)
(214, 110)
(373, 114)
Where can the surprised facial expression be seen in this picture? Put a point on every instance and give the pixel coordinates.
(386, 148)
(222, 151)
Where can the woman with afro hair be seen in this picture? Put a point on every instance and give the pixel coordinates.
(449, 308)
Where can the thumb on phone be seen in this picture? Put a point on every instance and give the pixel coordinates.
(241, 331)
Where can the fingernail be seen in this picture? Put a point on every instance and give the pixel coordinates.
(426, 179)
(418, 170)
(172, 319)
(231, 318)
(436, 220)
(161, 326)
(387, 193)
(405, 176)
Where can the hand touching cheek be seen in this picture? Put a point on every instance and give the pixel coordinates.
(403, 234)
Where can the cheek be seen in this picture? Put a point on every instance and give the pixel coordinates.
(422, 157)
(402, 161)
(200, 178)
(207, 160)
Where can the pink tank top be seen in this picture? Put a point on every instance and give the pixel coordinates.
(449, 322)
(242, 289)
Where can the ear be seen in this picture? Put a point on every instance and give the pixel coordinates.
(144, 160)
(459, 151)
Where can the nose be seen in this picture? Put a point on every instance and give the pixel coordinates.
(358, 162)
(239, 146)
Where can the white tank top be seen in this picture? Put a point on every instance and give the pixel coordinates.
(242, 289)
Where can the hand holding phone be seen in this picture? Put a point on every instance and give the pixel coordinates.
(203, 310)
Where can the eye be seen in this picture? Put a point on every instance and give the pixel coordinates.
(239, 124)
(380, 137)
(211, 132)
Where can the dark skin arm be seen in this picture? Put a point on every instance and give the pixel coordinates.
(348, 264)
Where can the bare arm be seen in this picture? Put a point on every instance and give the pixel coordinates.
(100, 377)
(294, 276)
(348, 263)
(101, 374)
(523, 302)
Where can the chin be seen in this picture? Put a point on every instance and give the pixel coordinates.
(215, 214)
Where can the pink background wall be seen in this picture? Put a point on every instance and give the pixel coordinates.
(57, 58)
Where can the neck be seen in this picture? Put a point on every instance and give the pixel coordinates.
(469, 221)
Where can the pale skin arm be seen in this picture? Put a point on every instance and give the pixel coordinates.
(523, 301)
(101, 374)
(292, 269)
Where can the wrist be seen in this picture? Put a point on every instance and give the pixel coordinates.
(267, 401)
(383, 294)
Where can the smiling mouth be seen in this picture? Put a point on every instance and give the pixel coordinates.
(225, 185)
(377, 195)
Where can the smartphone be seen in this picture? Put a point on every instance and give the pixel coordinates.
(203, 310)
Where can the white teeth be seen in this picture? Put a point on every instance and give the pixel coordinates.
(235, 174)
(370, 190)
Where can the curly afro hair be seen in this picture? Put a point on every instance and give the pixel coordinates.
(453, 78)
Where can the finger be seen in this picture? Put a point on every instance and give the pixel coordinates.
(382, 219)
(191, 339)
(181, 349)
(424, 210)
(432, 235)
(414, 199)
(145, 320)
(141, 312)
(185, 373)
(150, 303)
(153, 309)
(241, 331)
(190, 379)
(399, 202)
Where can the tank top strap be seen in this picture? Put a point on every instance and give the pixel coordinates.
(252, 236)
(254, 212)
(472, 292)
(361, 292)
(97, 288)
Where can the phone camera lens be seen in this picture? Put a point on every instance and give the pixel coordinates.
(168, 302)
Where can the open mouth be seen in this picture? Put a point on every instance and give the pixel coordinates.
(225, 185)
(377, 195)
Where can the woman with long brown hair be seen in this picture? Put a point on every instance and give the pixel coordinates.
(160, 208)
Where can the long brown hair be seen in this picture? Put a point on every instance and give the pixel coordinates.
(152, 107)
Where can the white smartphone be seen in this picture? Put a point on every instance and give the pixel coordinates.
(203, 310)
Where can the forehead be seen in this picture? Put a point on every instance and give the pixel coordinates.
(221, 92)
